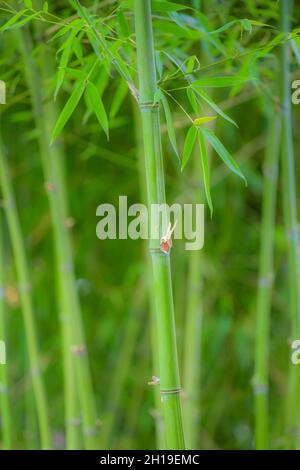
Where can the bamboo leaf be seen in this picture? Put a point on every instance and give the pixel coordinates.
(222, 152)
(118, 98)
(68, 109)
(214, 106)
(169, 121)
(162, 5)
(192, 99)
(64, 60)
(12, 20)
(205, 169)
(25, 20)
(188, 145)
(46, 7)
(28, 4)
(203, 120)
(96, 104)
(219, 82)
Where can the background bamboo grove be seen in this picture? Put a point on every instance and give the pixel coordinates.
(114, 344)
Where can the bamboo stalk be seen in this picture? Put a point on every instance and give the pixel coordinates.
(157, 412)
(290, 213)
(122, 367)
(265, 281)
(74, 345)
(162, 287)
(192, 353)
(5, 414)
(26, 302)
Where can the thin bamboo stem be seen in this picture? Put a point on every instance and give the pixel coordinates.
(157, 412)
(192, 353)
(26, 301)
(290, 213)
(74, 345)
(5, 413)
(265, 281)
(162, 286)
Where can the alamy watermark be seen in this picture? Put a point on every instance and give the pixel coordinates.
(296, 92)
(137, 222)
(2, 92)
(295, 357)
(2, 353)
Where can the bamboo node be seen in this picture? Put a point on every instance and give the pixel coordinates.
(66, 267)
(171, 391)
(35, 371)
(154, 380)
(260, 388)
(265, 281)
(158, 251)
(78, 349)
(50, 187)
(69, 222)
(90, 431)
(270, 171)
(75, 422)
(24, 287)
(148, 106)
(292, 234)
(3, 389)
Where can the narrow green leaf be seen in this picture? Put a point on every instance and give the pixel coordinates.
(12, 20)
(159, 64)
(259, 23)
(169, 121)
(219, 82)
(96, 104)
(225, 27)
(68, 109)
(203, 120)
(192, 99)
(28, 4)
(205, 169)
(222, 152)
(246, 24)
(161, 5)
(118, 98)
(46, 7)
(214, 106)
(64, 59)
(188, 145)
(25, 20)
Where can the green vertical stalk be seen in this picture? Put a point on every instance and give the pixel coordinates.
(265, 279)
(192, 352)
(5, 408)
(157, 414)
(26, 301)
(162, 285)
(74, 345)
(193, 334)
(290, 209)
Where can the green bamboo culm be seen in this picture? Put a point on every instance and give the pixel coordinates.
(290, 218)
(5, 407)
(26, 301)
(162, 283)
(265, 280)
(74, 344)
